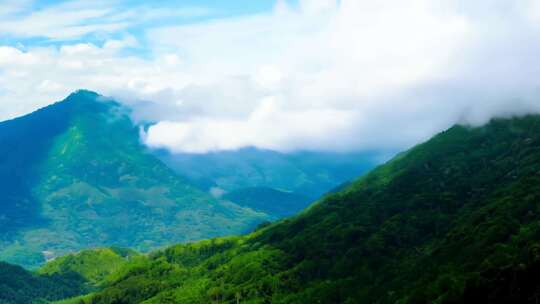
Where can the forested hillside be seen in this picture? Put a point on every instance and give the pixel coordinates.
(94, 266)
(453, 220)
(74, 175)
(18, 286)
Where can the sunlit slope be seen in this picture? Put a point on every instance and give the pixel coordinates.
(78, 177)
(454, 220)
(65, 277)
(94, 266)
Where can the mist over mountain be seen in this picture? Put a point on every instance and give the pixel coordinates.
(270, 152)
(308, 75)
(310, 174)
(74, 175)
(452, 220)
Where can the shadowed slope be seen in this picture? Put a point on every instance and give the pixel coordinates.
(270, 201)
(24, 143)
(19, 286)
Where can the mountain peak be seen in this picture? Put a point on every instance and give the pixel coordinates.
(76, 173)
(86, 101)
(83, 95)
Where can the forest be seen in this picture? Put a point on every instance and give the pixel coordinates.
(453, 220)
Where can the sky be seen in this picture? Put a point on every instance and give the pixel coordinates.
(320, 75)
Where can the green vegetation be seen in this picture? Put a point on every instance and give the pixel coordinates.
(273, 202)
(454, 220)
(93, 265)
(66, 277)
(74, 175)
(18, 286)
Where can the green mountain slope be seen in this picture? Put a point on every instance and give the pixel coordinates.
(273, 202)
(64, 277)
(19, 286)
(454, 220)
(74, 175)
(92, 265)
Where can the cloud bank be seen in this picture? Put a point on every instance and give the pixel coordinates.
(318, 75)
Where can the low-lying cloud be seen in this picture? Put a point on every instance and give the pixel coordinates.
(324, 75)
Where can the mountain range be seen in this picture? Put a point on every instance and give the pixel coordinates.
(304, 173)
(75, 175)
(453, 220)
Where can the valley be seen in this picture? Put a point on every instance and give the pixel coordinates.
(75, 175)
(452, 220)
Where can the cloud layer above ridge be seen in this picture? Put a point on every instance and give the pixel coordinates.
(317, 75)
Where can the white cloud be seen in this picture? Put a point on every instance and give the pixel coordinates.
(325, 75)
(217, 192)
(317, 6)
(268, 127)
(39, 76)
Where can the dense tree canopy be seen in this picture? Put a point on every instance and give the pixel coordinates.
(453, 220)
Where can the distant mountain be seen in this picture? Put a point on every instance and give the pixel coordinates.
(310, 174)
(273, 202)
(74, 175)
(453, 220)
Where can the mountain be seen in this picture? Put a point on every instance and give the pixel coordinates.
(74, 175)
(19, 286)
(64, 277)
(275, 203)
(453, 220)
(94, 266)
(275, 183)
(308, 174)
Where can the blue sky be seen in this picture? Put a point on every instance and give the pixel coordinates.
(281, 75)
(165, 13)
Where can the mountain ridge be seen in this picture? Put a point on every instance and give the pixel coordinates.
(452, 220)
(75, 174)
(306, 173)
